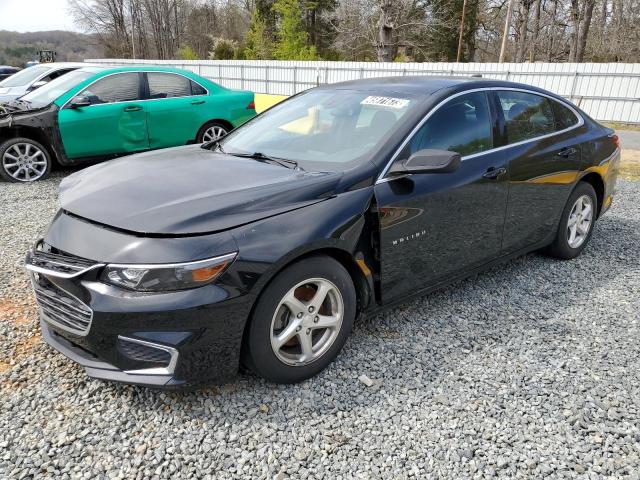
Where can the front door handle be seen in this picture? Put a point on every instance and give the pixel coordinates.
(197, 102)
(567, 152)
(133, 108)
(492, 173)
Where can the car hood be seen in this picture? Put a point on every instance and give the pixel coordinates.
(12, 91)
(188, 191)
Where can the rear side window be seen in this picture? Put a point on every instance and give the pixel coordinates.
(462, 125)
(121, 87)
(168, 85)
(565, 118)
(197, 89)
(526, 115)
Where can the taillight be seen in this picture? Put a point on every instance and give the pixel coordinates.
(252, 105)
(615, 139)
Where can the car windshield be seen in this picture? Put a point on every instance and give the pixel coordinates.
(46, 94)
(323, 127)
(24, 77)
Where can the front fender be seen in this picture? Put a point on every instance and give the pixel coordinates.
(338, 223)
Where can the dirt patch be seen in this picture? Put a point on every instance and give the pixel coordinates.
(19, 312)
(630, 165)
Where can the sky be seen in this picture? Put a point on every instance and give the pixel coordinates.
(35, 15)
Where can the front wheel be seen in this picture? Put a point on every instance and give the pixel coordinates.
(24, 160)
(576, 224)
(301, 321)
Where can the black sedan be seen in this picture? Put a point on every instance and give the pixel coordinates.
(174, 268)
(6, 71)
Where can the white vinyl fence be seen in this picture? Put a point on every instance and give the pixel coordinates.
(606, 91)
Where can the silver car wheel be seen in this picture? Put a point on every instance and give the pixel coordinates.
(212, 133)
(579, 222)
(24, 162)
(307, 322)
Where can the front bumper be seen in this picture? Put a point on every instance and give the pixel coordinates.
(177, 339)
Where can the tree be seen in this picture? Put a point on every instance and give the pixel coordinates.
(258, 42)
(292, 38)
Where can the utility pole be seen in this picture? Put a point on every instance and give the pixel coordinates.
(505, 34)
(464, 10)
(133, 41)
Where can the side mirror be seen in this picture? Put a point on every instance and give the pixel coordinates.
(428, 161)
(80, 101)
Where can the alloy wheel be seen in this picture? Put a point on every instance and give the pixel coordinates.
(579, 221)
(307, 322)
(24, 162)
(212, 133)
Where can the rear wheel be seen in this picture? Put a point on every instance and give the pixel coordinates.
(301, 321)
(212, 131)
(576, 224)
(24, 160)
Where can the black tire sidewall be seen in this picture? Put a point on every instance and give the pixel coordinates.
(8, 143)
(560, 247)
(199, 137)
(261, 358)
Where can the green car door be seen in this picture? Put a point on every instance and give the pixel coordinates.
(176, 109)
(107, 117)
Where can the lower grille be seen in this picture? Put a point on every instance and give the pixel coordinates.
(61, 308)
(143, 353)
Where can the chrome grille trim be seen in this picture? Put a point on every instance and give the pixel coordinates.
(58, 265)
(61, 309)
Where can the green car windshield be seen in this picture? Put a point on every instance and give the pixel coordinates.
(46, 94)
(323, 129)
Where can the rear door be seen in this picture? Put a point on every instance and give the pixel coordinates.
(543, 163)
(436, 225)
(114, 123)
(176, 109)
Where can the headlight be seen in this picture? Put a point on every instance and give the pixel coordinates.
(160, 278)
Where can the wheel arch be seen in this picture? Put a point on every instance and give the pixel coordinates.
(222, 121)
(32, 133)
(596, 181)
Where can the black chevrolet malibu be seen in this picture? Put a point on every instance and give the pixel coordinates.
(174, 268)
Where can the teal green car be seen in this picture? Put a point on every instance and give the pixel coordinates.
(96, 113)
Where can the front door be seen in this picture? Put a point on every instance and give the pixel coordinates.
(114, 123)
(435, 225)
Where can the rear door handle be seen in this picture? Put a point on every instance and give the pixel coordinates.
(197, 102)
(492, 173)
(133, 108)
(567, 152)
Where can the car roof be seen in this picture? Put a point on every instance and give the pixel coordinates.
(132, 68)
(426, 84)
(58, 65)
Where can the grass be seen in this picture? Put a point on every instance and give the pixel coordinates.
(622, 126)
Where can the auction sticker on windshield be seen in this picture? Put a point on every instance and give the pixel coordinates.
(386, 102)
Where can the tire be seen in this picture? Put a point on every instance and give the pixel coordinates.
(23, 160)
(563, 247)
(272, 322)
(206, 133)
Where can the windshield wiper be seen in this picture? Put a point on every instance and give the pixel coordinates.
(213, 145)
(285, 162)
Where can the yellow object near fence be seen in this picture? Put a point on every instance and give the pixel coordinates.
(264, 101)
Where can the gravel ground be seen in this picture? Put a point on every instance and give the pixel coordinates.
(528, 370)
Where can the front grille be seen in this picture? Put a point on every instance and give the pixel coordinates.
(143, 353)
(61, 308)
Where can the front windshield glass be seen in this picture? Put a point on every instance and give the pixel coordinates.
(24, 77)
(48, 93)
(323, 127)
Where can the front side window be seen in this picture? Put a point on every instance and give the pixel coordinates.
(56, 88)
(462, 125)
(526, 115)
(120, 87)
(168, 85)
